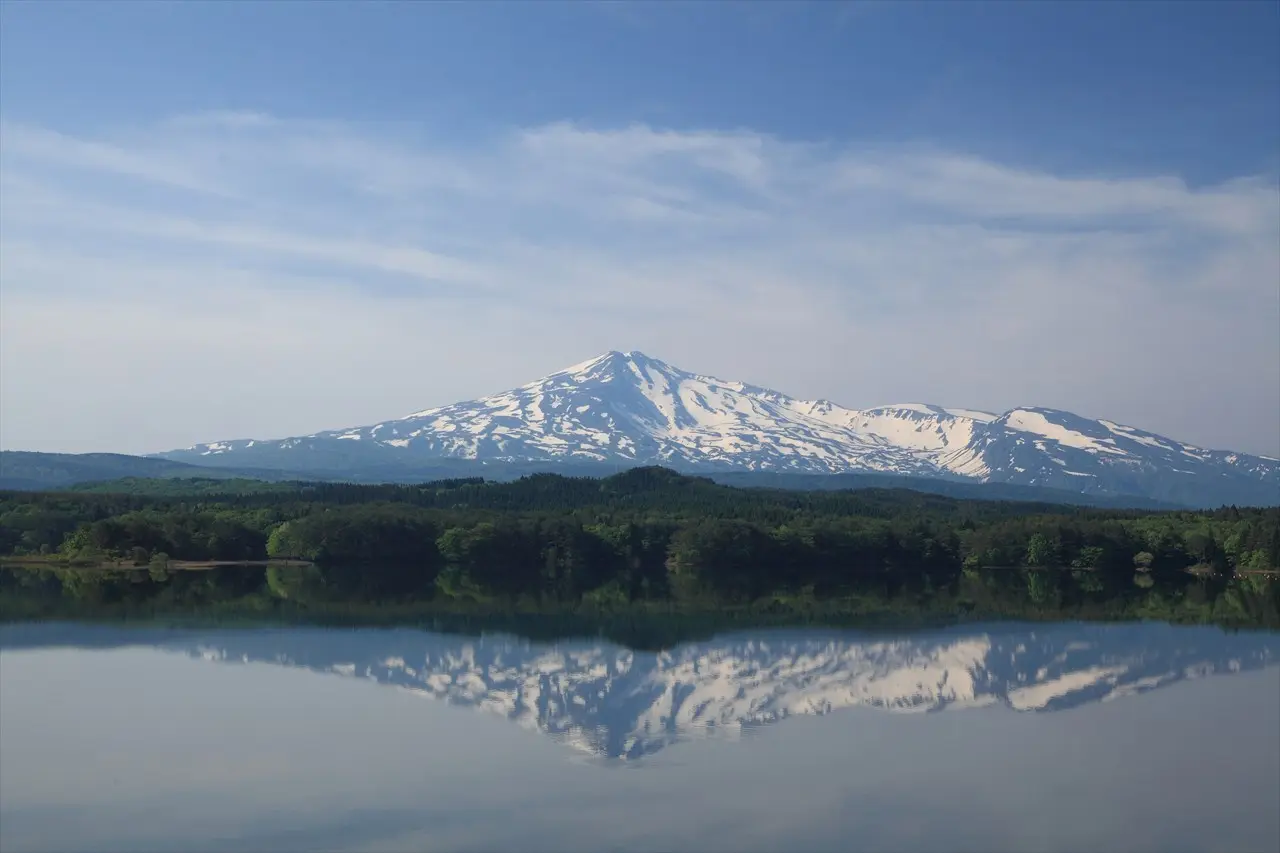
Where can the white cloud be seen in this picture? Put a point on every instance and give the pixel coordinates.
(43, 147)
(235, 274)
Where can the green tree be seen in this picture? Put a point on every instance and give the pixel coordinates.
(1041, 551)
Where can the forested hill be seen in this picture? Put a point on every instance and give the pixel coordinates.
(638, 489)
(107, 472)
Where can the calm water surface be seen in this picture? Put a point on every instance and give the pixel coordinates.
(999, 737)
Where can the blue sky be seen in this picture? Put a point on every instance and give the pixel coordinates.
(290, 217)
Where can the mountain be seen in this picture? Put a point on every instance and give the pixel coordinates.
(613, 702)
(627, 409)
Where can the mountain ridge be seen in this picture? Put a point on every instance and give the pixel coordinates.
(628, 409)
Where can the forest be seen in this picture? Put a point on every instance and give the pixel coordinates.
(646, 535)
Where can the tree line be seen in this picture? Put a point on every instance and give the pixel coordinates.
(644, 535)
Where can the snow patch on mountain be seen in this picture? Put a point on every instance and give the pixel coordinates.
(1035, 422)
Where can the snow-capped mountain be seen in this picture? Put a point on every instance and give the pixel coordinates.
(612, 702)
(625, 409)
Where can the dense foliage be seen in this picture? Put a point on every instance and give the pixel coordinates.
(644, 535)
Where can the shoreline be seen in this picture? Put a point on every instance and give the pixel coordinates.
(42, 562)
(50, 562)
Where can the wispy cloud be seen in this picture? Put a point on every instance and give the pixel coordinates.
(38, 147)
(282, 276)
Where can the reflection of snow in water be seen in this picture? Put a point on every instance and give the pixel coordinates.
(610, 701)
(607, 700)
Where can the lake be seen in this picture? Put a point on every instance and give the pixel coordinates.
(997, 736)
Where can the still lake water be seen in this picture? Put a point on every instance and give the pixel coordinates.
(1032, 737)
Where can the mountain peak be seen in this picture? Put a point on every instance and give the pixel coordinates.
(639, 359)
(612, 358)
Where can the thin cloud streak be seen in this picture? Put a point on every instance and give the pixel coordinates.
(286, 276)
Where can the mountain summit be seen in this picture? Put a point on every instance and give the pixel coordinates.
(627, 408)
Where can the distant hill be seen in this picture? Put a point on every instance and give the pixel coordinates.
(179, 487)
(31, 471)
(110, 472)
(960, 489)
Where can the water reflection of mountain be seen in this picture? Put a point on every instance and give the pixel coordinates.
(611, 701)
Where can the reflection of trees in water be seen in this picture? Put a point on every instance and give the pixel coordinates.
(342, 592)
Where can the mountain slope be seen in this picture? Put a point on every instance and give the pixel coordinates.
(627, 409)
